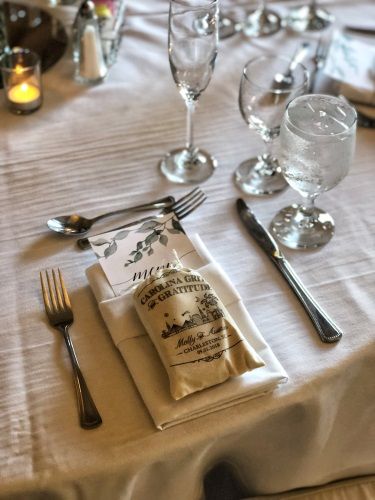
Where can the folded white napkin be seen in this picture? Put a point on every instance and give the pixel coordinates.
(144, 364)
(351, 62)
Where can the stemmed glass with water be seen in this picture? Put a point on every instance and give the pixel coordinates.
(317, 141)
(309, 17)
(262, 21)
(192, 47)
(263, 97)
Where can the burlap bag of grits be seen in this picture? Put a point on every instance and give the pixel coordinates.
(198, 342)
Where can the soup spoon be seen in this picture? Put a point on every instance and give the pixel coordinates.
(75, 224)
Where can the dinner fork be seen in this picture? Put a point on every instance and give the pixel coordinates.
(181, 208)
(60, 315)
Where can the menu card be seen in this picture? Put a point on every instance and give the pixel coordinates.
(352, 62)
(130, 255)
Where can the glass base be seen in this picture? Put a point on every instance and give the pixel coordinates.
(261, 22)
(295, 229)
(260, 176)
(181, 167)
(309, 18)
(227, 27)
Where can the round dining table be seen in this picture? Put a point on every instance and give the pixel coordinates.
(91, 149)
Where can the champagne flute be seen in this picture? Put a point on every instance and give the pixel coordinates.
(262, 101)
(317, 146)
(261, 21)
(192, 43)
(309, 17)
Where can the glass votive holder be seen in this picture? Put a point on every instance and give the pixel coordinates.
(20, 69)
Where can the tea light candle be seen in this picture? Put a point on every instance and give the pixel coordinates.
(23, 93)
(21, 76)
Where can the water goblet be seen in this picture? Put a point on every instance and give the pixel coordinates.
(192, 44)
(261, 21)
(317, 142)
(262, 101)
(309, 17)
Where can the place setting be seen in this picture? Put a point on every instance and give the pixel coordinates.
(167, 304)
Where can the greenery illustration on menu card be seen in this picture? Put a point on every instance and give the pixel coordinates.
(156, 233)
(131, 254)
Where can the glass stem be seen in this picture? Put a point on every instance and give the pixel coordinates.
(313, 5)
(262, 5)
(308, 206)
(190, 105)
(268, 151)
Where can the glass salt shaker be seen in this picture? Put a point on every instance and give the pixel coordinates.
(90, 66)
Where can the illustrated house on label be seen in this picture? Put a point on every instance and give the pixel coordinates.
(196, 319)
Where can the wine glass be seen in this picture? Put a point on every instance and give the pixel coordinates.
(317, 146)
(309, 17)
(261, 21)
(262, 102)
(192, 43)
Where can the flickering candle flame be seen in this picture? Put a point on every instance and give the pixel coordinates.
(23, 93)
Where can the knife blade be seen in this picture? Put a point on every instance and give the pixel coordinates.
(327, 330)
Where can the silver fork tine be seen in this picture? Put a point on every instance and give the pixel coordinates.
(47, 303)
(188, 209)
(185, 198)
(51, 294)
(64, 291)
(57, 290)
(189, 202)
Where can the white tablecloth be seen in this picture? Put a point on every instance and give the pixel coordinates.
(95, 149)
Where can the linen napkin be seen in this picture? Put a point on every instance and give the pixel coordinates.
(351, 62)
(146, 368)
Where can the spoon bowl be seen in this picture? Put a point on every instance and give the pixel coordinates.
(70, 224)
(285, 80)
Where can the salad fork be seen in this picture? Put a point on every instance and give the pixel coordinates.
(60, 315)
(181, 208)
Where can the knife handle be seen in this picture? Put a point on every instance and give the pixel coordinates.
(326, 328)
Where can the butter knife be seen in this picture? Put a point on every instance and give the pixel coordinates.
(328, 331)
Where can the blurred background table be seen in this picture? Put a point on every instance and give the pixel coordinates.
(88, 150)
